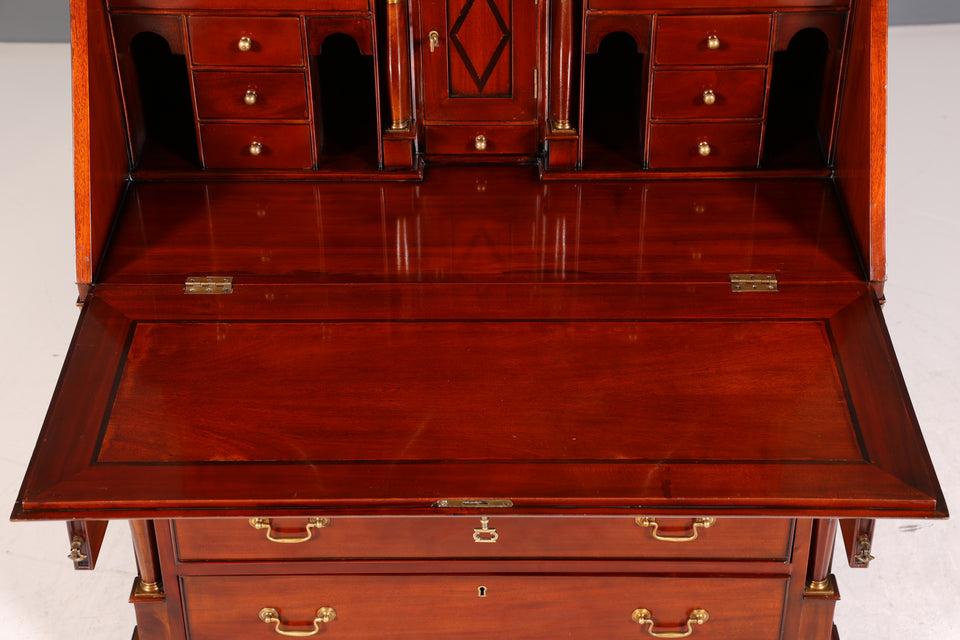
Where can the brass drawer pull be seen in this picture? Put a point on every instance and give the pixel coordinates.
(705, 523)
(704, 149)
(709, 97)
(313, 523)
(485, 533)
(713, 43)
(245, 44)
(272, 616)
(480, 143)
(697, 616)
(250, 97)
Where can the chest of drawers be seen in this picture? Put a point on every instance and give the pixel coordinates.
(452, 319)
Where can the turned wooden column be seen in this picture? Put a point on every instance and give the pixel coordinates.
(821, 556)
(562, 67)
(145, 549)
(398, 64)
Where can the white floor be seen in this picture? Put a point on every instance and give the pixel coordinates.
(911, 589)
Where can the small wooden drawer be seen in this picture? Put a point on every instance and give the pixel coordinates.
(704, 145)
(712, 40)
(503, 536)
(240, 5)
(709, 93)
(481, 140)
(413, 607)
(245, 41)
(256, 146)
(248, 96)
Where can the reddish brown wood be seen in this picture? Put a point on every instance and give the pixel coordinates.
(452, 537)
(821, 554)
(220, 94)
(449, 605)
(599, 26)
(481, 139)
(357, 27)
(100, 150)
(398, 65)
(861, 141)
(484, 64)
(561, 65)
(508, 230)
(682, 40)
(738, 93)
(227, 146)
(145, 548)
(731, 144)
(715, 6)
(243, 5)
(274, 41)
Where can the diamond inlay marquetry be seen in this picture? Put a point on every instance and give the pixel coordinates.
(479, 36)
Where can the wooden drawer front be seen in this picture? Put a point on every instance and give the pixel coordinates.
(481, 606)
(684, 40)
(272, 41)
(282, 146)
(241, 5)
(247, 96)
(709, 93)
(677, 146)
(516, 537)
(481, 140)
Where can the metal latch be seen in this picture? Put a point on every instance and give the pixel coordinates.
(492, 503)
(209, 285)
(753, 282)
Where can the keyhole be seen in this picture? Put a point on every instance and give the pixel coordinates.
(482, 592)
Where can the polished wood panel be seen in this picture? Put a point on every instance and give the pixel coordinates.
(227, 146)
(274, 41)
(861, 141)
(453, 537)
(101, 165)
(220, 94)
(512, 229)
(256, 6)
(692, 6)
(496, 139)
(738, 93)
(451, 606)
(682, 40)
(731, 144)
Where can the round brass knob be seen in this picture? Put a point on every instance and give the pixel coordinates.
(709, 97)
(250, 97)
(255, 148)
(480, 143)
(245, 44)
(713, 42)
(704, 148)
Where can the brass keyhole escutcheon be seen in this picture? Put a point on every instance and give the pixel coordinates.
(434, 37)
(481, 591)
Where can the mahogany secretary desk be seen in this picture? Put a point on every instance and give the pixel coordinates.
(460, 318)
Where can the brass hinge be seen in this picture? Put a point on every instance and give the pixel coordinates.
(746, 282)
(492, 503)
(209, 285)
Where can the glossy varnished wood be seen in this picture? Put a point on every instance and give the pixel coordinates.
(449, 606)
(738, 93)
(451, 537)
(682, 40)
(220, 94)
(510, 228)
(274, 41)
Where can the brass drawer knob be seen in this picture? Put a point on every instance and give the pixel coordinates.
(704, 149)
(250, 97)
(245, 44)
(480, 143)
(255, 148)
(699, 523)
(697, 616)
(709, 97)
(713, 43)
(325, 615)
(264, 523)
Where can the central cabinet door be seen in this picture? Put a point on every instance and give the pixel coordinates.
(479, 60)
